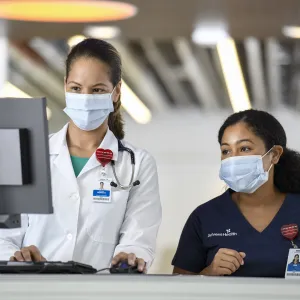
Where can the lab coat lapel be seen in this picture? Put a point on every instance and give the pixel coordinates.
(62, 161)
(109, 142)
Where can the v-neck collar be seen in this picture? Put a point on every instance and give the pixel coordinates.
(244, 220)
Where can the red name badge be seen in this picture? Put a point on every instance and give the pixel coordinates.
(104, 156)
(290, 231)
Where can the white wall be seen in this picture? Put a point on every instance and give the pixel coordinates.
(185, 146)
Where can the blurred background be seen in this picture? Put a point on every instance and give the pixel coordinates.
(187, 66)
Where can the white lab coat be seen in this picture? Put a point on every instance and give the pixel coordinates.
(89, 232)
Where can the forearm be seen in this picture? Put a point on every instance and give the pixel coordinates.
(139, 230)
(205, 272)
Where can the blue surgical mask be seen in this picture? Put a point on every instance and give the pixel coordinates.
(88, 111)
(244, 174)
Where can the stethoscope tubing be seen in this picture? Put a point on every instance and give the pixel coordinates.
(130, 185)
(122, 148)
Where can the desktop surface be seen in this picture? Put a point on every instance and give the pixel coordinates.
(147, 287)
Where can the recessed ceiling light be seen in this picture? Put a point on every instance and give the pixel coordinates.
(66, 11)
(11, 91)
(233, 75)
(134, 106)
(49, 113)
(209, 33)
(74, 40)
(102, 32)
(291, 31)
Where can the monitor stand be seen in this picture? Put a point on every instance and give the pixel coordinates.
(10, 221)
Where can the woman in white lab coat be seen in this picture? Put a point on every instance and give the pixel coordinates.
(97, 230)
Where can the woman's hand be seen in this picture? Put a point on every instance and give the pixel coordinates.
(131, 259)
(226, 262)
(31, 253)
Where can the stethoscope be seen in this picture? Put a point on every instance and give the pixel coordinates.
(122, 148)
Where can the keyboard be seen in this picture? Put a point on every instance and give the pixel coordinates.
(48, 267)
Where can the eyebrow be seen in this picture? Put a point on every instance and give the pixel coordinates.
(97, 84)
(74, 82)
(238, 142)
(100, 83)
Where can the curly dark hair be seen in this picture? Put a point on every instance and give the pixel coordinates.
(268, 128)
(107, 53)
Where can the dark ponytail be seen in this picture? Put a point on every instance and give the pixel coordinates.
(268, 128)
(107, 53)
(116, 122)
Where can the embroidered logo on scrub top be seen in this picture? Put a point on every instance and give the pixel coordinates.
(226, 233)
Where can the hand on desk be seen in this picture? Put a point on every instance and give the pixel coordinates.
(226, 262)
(31, 253)
(131, 259)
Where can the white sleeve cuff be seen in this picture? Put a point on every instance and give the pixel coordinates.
(7, 250)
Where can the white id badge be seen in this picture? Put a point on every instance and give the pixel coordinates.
(293, 265)
(102, 194)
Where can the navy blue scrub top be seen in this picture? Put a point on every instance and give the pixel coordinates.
(220, 224)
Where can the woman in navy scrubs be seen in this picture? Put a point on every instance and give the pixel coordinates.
(239, 232)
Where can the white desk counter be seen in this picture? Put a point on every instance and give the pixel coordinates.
(88, 287)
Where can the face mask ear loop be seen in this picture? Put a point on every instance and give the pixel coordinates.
(267, 152)
(270, 168)
(112, 91)
(111, 95)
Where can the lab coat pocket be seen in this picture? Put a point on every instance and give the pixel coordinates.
(105, 219)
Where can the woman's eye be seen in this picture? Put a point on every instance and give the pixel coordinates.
(75, 88)
(98, 90)
(225, 152)
(245, 149)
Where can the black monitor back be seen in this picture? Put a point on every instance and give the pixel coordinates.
(29, 192)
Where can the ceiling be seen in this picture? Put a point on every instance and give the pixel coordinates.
(170, 73)
(165, 19)
(163, 66)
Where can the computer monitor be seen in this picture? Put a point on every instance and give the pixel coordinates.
(25, 183)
